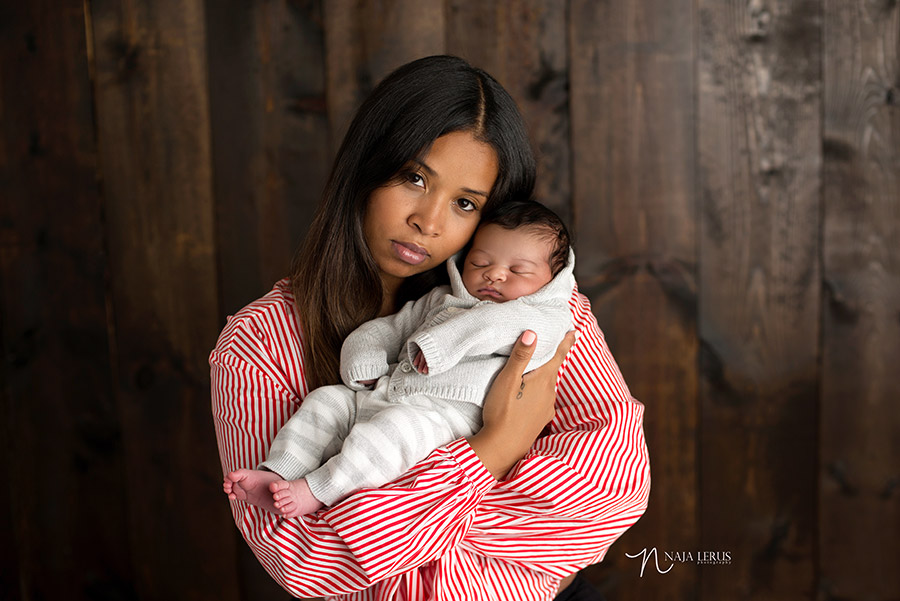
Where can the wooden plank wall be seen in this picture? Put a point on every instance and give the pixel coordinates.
(730, 169)
(859, 457)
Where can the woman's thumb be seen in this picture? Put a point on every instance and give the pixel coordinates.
(523, 350)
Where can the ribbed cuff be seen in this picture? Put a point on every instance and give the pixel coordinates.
(322, 487)
(285, 465)
(354, 376)
(426, 343)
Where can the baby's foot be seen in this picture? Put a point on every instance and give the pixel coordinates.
(293, 498)
(251, 486)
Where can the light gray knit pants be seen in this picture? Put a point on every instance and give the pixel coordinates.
(366, 439)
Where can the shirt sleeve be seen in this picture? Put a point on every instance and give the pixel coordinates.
(368, 537)
(560, 508)
(582, 485)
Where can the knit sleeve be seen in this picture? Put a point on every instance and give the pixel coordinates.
(372, 536)
(370, 349)
(446, 523)
(491, 328)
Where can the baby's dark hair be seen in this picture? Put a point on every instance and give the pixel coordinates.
(547, 224)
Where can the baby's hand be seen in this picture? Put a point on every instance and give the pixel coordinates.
(367, 383)
(420, 363)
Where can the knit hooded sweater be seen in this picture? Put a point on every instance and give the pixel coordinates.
(465, 341)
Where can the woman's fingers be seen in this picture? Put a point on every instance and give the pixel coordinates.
(524, 349)
(518, 405)
(521, 353)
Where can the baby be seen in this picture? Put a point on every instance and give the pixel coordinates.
(431, 365)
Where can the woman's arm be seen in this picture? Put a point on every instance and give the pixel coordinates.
(375, 535)
(371, 537)
(580, 486)
(308, 556)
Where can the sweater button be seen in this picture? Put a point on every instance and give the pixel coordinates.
(405, 367)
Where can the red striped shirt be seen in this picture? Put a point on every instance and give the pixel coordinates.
(445, 530)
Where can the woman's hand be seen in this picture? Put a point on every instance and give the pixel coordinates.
(517, 407)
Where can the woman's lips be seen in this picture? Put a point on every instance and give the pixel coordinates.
(409, 252)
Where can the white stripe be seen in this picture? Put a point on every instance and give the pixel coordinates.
(577, 491)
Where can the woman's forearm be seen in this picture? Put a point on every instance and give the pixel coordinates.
(493, 449)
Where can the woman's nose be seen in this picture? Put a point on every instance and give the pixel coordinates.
(428, 218)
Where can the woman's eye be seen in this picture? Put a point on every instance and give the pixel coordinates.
(466, 205)
(415, 179)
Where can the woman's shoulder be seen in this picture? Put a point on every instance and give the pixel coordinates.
(271, 317)
(260, 346)
(590, 367)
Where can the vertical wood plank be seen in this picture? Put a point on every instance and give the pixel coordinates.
(632, 92)
(524, 46)
(269, 137)
(152, 111)
(62, 464)
(367, 39)
(759, 163)
(270, 160)
(859, 462)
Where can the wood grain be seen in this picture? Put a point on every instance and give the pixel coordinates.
(634, 189)
(153, 120)
(62, 465)
(524, 46)
(859, 459)
(367, 39)
(759, 154)
(270, 143)
(730, 170)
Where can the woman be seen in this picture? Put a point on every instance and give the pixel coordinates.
(432, 147)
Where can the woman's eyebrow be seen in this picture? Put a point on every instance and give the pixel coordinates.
(424, 166)
(475, 192)
(433, 173)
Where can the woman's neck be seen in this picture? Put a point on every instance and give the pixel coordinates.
(387, 307)
(390, 289)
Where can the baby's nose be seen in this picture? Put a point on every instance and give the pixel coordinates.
(495, 274)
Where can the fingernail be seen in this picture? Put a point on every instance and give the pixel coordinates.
(528, 338)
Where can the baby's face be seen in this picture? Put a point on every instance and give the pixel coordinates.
(506, 264)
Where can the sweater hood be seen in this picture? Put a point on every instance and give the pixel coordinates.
(559, 289)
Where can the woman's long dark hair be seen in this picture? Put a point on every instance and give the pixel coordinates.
(335, 280)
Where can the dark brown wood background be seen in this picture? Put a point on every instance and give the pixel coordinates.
(730, 169)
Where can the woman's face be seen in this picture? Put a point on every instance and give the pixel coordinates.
(418, 222)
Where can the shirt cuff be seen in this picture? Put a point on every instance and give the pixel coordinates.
(472, 467)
